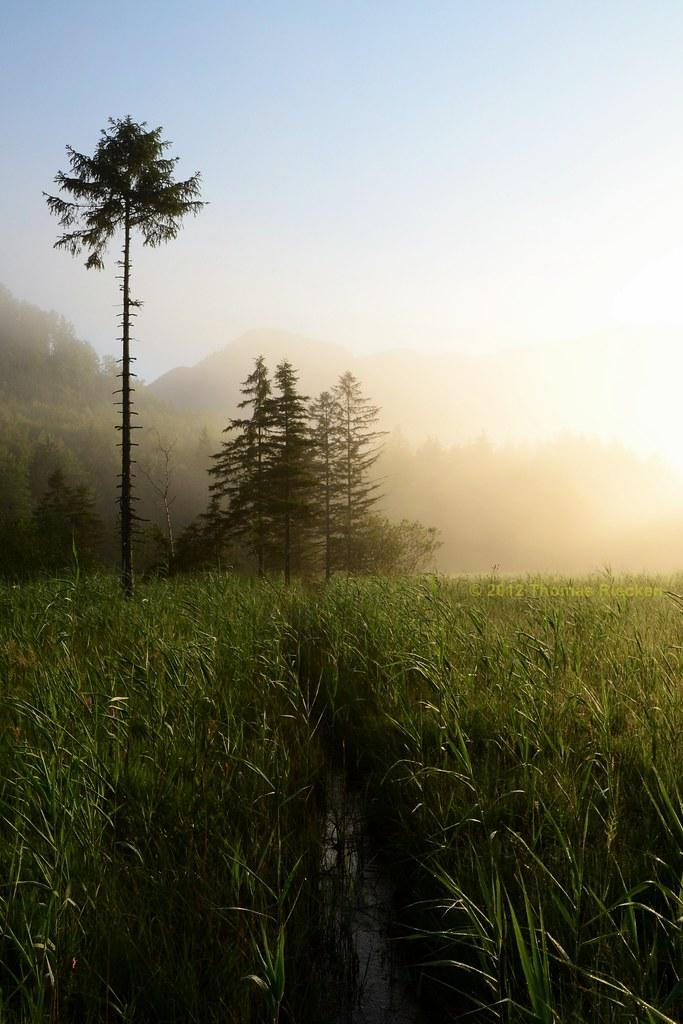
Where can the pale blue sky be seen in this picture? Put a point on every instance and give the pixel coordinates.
(462, 175)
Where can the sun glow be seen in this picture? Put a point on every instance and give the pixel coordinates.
(650, 309)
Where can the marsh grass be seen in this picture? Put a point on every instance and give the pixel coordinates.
(162, 773)
(156, 802)
(525, 759)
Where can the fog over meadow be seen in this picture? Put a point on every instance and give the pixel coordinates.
(517, 464)
(545, 458)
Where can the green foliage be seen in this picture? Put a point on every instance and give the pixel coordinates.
(128, 181)
(41, 359)
(292, 483)
(325, 452)
(66, 522)
(290, 479)
(356, 450)
(56, 417)
(240, 496)
(386, 548)
(21, 548)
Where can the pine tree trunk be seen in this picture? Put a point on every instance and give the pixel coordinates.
(126, 497)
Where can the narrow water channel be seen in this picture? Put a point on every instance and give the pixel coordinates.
(369, 984)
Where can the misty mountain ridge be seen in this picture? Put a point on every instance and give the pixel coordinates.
(512, 476)
(214, 382)
(617, 385)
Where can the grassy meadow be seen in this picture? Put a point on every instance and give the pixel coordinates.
(518, 746)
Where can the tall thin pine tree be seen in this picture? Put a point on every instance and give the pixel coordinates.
(127, 185)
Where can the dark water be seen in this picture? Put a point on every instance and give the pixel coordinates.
(369, 984)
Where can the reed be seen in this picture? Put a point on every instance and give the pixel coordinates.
(163, 765)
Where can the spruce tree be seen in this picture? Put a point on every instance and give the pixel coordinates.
(240, 498)
(127, 185)
(290, 472)
(325, 437)
(67, 521)
(358, 448)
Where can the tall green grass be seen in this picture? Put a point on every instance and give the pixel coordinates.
(157, 803)
(525, 756)
(162, 767)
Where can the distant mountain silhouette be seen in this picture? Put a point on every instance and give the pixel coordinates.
(214, 383)
(615, 385)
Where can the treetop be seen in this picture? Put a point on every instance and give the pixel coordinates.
(127, 183)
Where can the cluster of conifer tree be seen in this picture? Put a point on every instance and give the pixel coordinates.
(59, 462)
(291, 490)
(63, 525)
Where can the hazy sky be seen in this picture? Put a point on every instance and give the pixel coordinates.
(465, 175)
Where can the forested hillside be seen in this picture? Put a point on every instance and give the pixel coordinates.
(57, 413)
